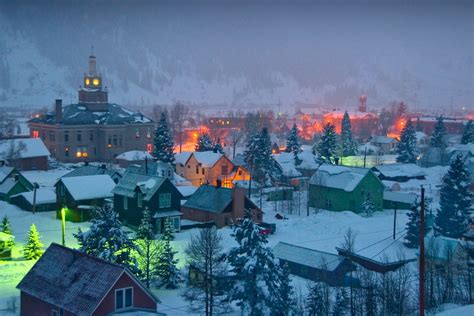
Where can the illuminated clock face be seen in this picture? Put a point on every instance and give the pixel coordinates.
(95, 82)
(87, 81)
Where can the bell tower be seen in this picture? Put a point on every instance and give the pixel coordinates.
(92, 95)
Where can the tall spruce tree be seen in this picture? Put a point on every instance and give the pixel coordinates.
(348, 145)
(412, 237)
(256, 270)
(33, 247)
(107, 240)
(166, 268)
(283, 295)
(292, 143)
(163, 142)
(368, 207)
(406, 148)
(149, 247)
(6, 228)
(251, 148)
(316, 302)
(204, 143)
(468, 134)
(455, 204)
(328, 144)
(218, 146)
(439, 134)
(258, 155)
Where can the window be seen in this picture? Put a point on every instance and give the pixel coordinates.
(79, 136)
(123, 298)
(197, 169)
(165, 200)
(149, 148)
(202, 169)
(175, 222)
(115, 141)
(91, 136)
(240, 172)
(66, 151)
(137, 133)
(66, 136)
(224, 169)
(125, 203)
(35, 134)
(139, 199)
(81, 152)
(148, 132)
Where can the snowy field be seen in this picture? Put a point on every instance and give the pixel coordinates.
(321, 230)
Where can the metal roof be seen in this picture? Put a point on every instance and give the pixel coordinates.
(210, 199)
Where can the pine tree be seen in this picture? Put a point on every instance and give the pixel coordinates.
(256, 270)
(439, 134)
(328, 144)
(455, 201)
(341, 304)
(218, 147)
(292, 143)
(6, 228)
(468, 134)
(251, 149)
(348, 144)
(406, 148)
(284, 295)
(258, 154)
(166, 268)
(204, 143)
(163, 142)
(149, 247)
(412, 237)
(315, 301)
(368, 207)
(107, 240)
(33, 247)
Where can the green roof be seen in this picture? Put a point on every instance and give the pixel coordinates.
(210, 199)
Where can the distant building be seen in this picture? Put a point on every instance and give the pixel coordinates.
(133, 157)
(12, 182)
(65, 281)
(223, 206)
(93, 170)
(24, 154)
(399, 172)
(92, 129)
(385, 144)
(338, 188)
(80, 195)
(451, 125)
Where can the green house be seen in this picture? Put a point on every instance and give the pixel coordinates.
(12, 182)
(339, 188)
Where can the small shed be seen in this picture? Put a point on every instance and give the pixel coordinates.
(398, 200)
(13, 183)
(45, 200)
(399, 172)
(25, 154)
(313, 264)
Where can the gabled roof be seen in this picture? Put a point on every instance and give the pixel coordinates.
(131, 182)
(5, 172)
(207, 158)
(91, 170)
(339, 177)
(182, 158)
(210, 199)
(134, 155)
(383, 140)
(24, 147)
(43, 196)
(306, 256)
(78, 114)
(73, 280)
(89, 187)
(400, 170)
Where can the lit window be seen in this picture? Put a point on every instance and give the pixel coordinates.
(165, 200)
(95, 82)
(82, 152)
(35, 134)
(148, 132)
(87, 81)
(123, 298)
(137, 133)
(66, 151)
(149, 148)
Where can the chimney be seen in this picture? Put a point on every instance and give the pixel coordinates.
(238, 202)
(59, 110)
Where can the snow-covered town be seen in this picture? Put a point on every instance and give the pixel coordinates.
(145, 207)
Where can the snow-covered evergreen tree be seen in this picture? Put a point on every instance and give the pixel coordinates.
(251, 149)
(204, 143)
(218, 147)
(348, 145)
(33, 247)
(412, 237)
(341, 303)
(284, 296)
(292, 143)
(439, 134)
(468, 134)
(368, 207)
(315, 301)
(149, 247)
(455, 201)
(166, 268)
(107, 240)
(258, 155)
(257, 272)
(406, 148)
(328, 144)
(163, 142)
(6, 227)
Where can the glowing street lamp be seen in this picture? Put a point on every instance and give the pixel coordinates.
(63, 225)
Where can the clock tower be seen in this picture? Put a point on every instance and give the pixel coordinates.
(92, 95)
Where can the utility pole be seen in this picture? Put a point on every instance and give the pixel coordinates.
(422, 254)
(365, 155)
(394, 219)
(35, 187)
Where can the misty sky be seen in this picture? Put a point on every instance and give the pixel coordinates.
(241, 52)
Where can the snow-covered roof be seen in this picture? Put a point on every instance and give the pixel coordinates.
(338, 177)
(89, 187)
(182, 158)
(6, 237)
(25, 147)
(306, 256)
(400, 170)
(207, 158)
(187, 190)
(382, 140)
(400, 197)
(43, 196)
(7, 185)
(5, 172)
(134, 155)
(468, 148)
(420, 135)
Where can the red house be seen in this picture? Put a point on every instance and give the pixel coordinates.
(68, 282)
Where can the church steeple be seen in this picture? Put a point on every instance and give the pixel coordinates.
(92, 63)
(92, 95)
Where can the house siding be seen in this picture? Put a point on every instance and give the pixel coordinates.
(30, 305)
(140, 298)
(341, 200)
